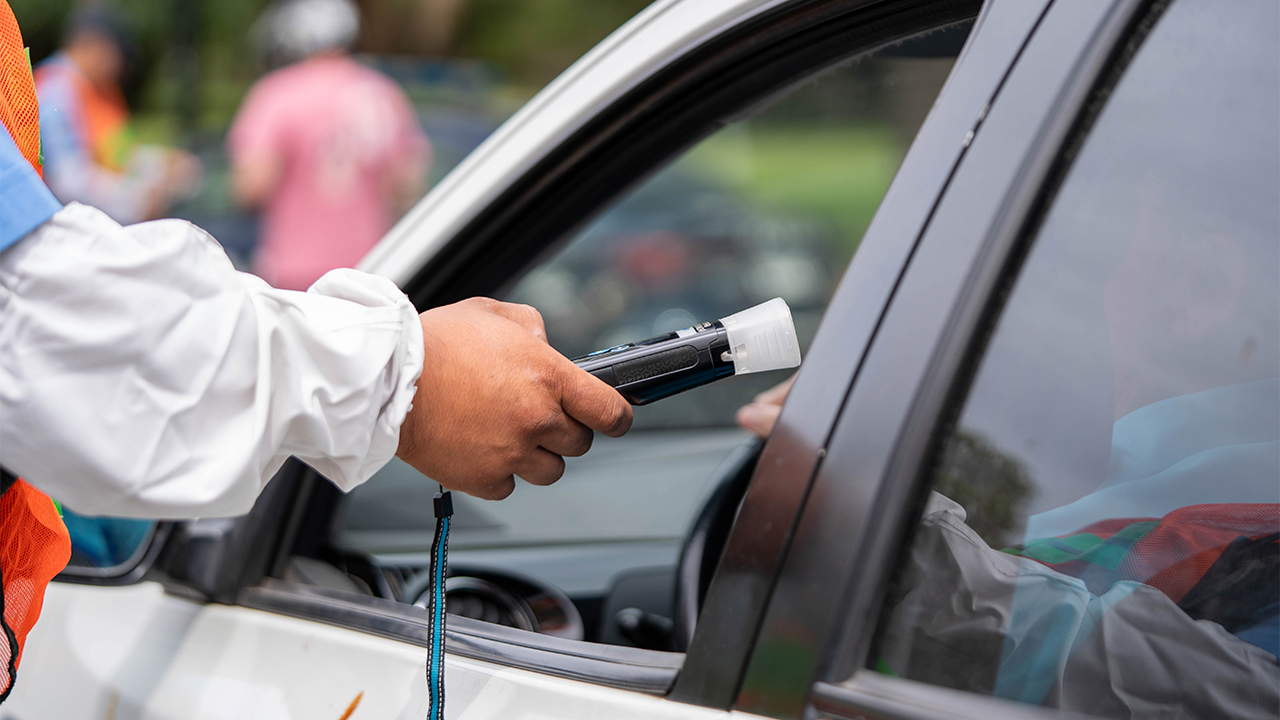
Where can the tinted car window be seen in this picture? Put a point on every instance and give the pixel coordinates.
(105, 543)
(1102, 535)
(772, 205)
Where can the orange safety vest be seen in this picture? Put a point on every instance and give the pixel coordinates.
(19, 109)
(34, 544)
(103, 125)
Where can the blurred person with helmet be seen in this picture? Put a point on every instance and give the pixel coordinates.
(141, 375)
(90, 151)
(330, 150)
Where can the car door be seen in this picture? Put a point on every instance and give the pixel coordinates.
(400, 555)
(1061, 444)
(230, 624)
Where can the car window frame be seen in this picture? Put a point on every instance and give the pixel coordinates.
(131, 571)
(889, 438)
(792, 33)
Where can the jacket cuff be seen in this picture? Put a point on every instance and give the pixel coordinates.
(402, 372)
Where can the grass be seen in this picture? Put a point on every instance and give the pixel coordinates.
(838, 173)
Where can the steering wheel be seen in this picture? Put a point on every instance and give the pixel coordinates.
(705, 542)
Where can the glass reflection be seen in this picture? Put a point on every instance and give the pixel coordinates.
(1105, 535)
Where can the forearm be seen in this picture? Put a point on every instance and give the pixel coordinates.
(141, 375)
(254, 180)
(71, 172)
(129, 198)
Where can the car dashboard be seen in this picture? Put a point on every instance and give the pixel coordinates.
(591, 558)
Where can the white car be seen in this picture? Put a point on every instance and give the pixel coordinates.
(1028, 467)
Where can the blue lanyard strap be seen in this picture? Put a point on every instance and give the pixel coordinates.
(436, 609)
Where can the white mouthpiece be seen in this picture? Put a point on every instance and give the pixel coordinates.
(762, 338)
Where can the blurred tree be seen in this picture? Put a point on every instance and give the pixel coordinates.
(534, 40)
(194, 55)
(427, 27)
(41, 22)
(992, 487)
(185, 49)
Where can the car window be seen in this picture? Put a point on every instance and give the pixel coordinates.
(1102, 530)
(105, 545)
(772, 205)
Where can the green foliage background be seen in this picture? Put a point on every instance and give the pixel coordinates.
(533, 40)
(528, 41)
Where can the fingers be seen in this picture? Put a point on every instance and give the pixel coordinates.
(566, 437)
(521, 416)
(777, 394)
(593, 403)
(759, 418)
(540, 467)
(761, 415)
(497, 490)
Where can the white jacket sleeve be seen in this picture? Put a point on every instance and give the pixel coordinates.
(141, 375)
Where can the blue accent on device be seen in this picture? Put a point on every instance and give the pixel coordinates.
(662, 366)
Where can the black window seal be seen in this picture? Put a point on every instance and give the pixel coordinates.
(898, 699)
(847, 688)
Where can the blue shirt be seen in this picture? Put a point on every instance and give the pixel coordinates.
(1214, 446)
(25, 202)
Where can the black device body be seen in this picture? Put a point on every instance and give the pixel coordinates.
(662, 366)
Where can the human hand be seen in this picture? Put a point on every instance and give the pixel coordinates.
(495, 400)
(170, 176)
(184, 174)
(762, 413)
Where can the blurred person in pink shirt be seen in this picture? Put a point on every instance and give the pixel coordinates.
(330, 150)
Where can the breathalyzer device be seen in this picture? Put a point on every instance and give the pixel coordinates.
(754, 340)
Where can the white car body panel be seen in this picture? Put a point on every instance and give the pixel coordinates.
(634, 52)
(138, 653)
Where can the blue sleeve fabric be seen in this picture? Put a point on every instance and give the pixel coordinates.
(69, 168)
(59, 110)
(25, 202)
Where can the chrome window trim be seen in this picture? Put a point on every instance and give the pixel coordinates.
(870, 694)
(646, 671)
